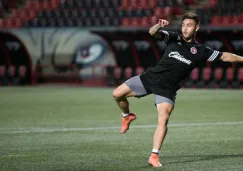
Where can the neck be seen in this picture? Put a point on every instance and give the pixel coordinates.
(192, 39)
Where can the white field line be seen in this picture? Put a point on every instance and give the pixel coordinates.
(48, 130)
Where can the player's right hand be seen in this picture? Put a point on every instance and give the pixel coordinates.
(163, 22)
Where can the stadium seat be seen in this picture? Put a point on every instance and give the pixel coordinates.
(195, 75)
(218, 74)
(144, 4)
(3, 79)
(22, 73)
(240, 74)
(227, 20)
(178, 10)
(145, 22)
(139, 70)
(206, 78)
(229, 74)
(128, 73)
(117, 73)
(11, 74)
(219, 79)
(159, 12)
(206, 74)
(216, 20)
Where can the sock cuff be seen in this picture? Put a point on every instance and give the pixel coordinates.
(125, 114)
(155, 151)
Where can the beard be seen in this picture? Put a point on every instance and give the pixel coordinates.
(189, 37)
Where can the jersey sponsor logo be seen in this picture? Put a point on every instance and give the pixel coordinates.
(179, 57)
(193, 50)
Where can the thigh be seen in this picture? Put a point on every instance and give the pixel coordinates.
(164, 110)
(164, 105)
(136, 85)
(123, 91)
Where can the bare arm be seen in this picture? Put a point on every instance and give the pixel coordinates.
(154, 30)
(230, 57)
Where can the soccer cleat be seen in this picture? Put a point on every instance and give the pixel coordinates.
(154, 160)
(125, 121)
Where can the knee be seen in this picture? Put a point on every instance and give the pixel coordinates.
(163, 118)
(116, 94)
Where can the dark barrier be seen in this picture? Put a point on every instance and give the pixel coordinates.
(15, 61)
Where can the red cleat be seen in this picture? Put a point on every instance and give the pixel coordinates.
(126, 122)
(154, 160)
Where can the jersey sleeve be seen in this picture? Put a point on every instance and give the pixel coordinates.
(211, 55)
(167, 36)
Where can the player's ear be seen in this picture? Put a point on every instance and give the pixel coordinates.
(197, 27)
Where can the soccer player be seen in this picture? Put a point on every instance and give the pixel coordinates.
(183, 53)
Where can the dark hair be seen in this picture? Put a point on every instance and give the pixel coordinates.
(192, 16)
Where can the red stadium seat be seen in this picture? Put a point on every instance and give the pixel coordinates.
(11, 71)
(54, 3)
(32, 14)
(45, 5)
(22, 71)
(31, 4)
(153, 3)
(2, 23)
(229, 74)
(24, 13)
(126, 22)
(206, 74)
(178, 11)
(235, 20)
(139, 70)
(128, 73)
(153, 20)
(134, 3)
(18, 22)
(218, 74)
(117, 72)
(145, 22)
(10, 23)
(212, 2)
(227, 20)
(241, 19)
(216, 20)
(125, 4)
(159, 12)
(2, 70)
(240, 74)
(168, 11)
(195, 74)
(144, 4)
(135, 22)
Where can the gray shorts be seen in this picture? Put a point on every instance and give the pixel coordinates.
(136, 85)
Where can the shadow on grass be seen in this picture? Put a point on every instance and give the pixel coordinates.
(194, 158)
(167, 160)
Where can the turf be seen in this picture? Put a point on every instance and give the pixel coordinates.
(64, 129)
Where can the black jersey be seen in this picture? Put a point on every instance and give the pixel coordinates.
(179, 59)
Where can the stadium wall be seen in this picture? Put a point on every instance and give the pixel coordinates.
(81, 56)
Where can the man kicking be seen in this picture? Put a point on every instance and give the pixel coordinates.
(163, 80)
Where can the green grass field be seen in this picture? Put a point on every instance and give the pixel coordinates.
(65, 129)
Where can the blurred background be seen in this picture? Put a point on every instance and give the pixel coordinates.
(101, 43)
